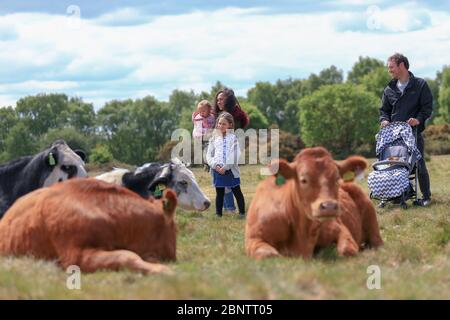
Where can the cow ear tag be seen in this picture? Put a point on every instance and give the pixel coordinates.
(348, 176)
(159, 190)
(280, 180)
(161, 186)
(51, 159)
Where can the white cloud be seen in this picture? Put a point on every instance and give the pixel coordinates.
(100, 62)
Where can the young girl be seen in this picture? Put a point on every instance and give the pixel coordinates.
(203, 120)
(225, 100)
(222, 156)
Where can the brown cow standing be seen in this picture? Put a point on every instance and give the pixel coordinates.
(312, 208)
(92, 224)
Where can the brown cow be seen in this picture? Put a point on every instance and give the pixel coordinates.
(308, 206)
(94, 225)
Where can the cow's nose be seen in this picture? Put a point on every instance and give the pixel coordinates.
(329, 205)
(206, 204)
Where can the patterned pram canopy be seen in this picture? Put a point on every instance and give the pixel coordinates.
(397, 133)
(391, 181)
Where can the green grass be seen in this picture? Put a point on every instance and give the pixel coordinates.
(414, 263)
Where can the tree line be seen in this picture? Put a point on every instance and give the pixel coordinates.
(322, 109)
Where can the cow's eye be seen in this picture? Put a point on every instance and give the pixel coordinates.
(303, 181)
(69, 169)
(183, 183)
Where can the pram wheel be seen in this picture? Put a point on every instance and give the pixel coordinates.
(382, 204)
(404, 205)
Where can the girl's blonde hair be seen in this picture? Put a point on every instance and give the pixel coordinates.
(227, 116)
(204, 103)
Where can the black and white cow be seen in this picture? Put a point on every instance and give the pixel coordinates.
(151, 179)
(21, 176)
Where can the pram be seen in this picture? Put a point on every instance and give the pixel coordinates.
(396, 168)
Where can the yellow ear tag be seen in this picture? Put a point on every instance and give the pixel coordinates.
(161, 186)
(51, 159)
(348, 176)
(159, 190)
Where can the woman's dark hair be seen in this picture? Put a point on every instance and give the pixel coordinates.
(230, 101)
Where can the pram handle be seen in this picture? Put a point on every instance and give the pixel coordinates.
(390, 162)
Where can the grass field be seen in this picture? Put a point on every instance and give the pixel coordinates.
(414, 263)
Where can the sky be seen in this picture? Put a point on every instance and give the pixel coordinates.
(108, 49)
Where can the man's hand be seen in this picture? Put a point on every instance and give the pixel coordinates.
(384, 123)
(413, 122)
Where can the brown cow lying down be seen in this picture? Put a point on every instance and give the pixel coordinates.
(94, 225)
(307, 206)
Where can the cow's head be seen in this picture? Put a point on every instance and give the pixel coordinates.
(317, 180)
(177, 176)
(63, 162)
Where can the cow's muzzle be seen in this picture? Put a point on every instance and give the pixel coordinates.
(328, 210)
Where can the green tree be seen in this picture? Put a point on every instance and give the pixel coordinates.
(112, 115)
(291, 114)
(101, 154)
(264, 96)
(74, 138)
(136, 130)
(340, 117)
(376, 80)
(81, 116)
(8, 119)
(444, 96)
(329, 75)
(257, 118)
(186, 120)
(434, 87)
(43, 112)
(363, 67)
(180, 100)
(20, 142)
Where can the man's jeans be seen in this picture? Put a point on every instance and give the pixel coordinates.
(424, 178)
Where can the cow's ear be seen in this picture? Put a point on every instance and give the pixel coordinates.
(169, 202)
(81, 154)
(352, 167)
(161, 178)
(51, 158)
(281, 167)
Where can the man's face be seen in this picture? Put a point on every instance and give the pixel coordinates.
(394, 70)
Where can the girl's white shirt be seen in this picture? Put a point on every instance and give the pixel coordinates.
(225, 152)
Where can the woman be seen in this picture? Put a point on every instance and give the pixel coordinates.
(225, 100)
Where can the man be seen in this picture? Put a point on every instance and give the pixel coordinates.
(407, 98)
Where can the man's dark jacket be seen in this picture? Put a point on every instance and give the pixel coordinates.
(415, 102)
